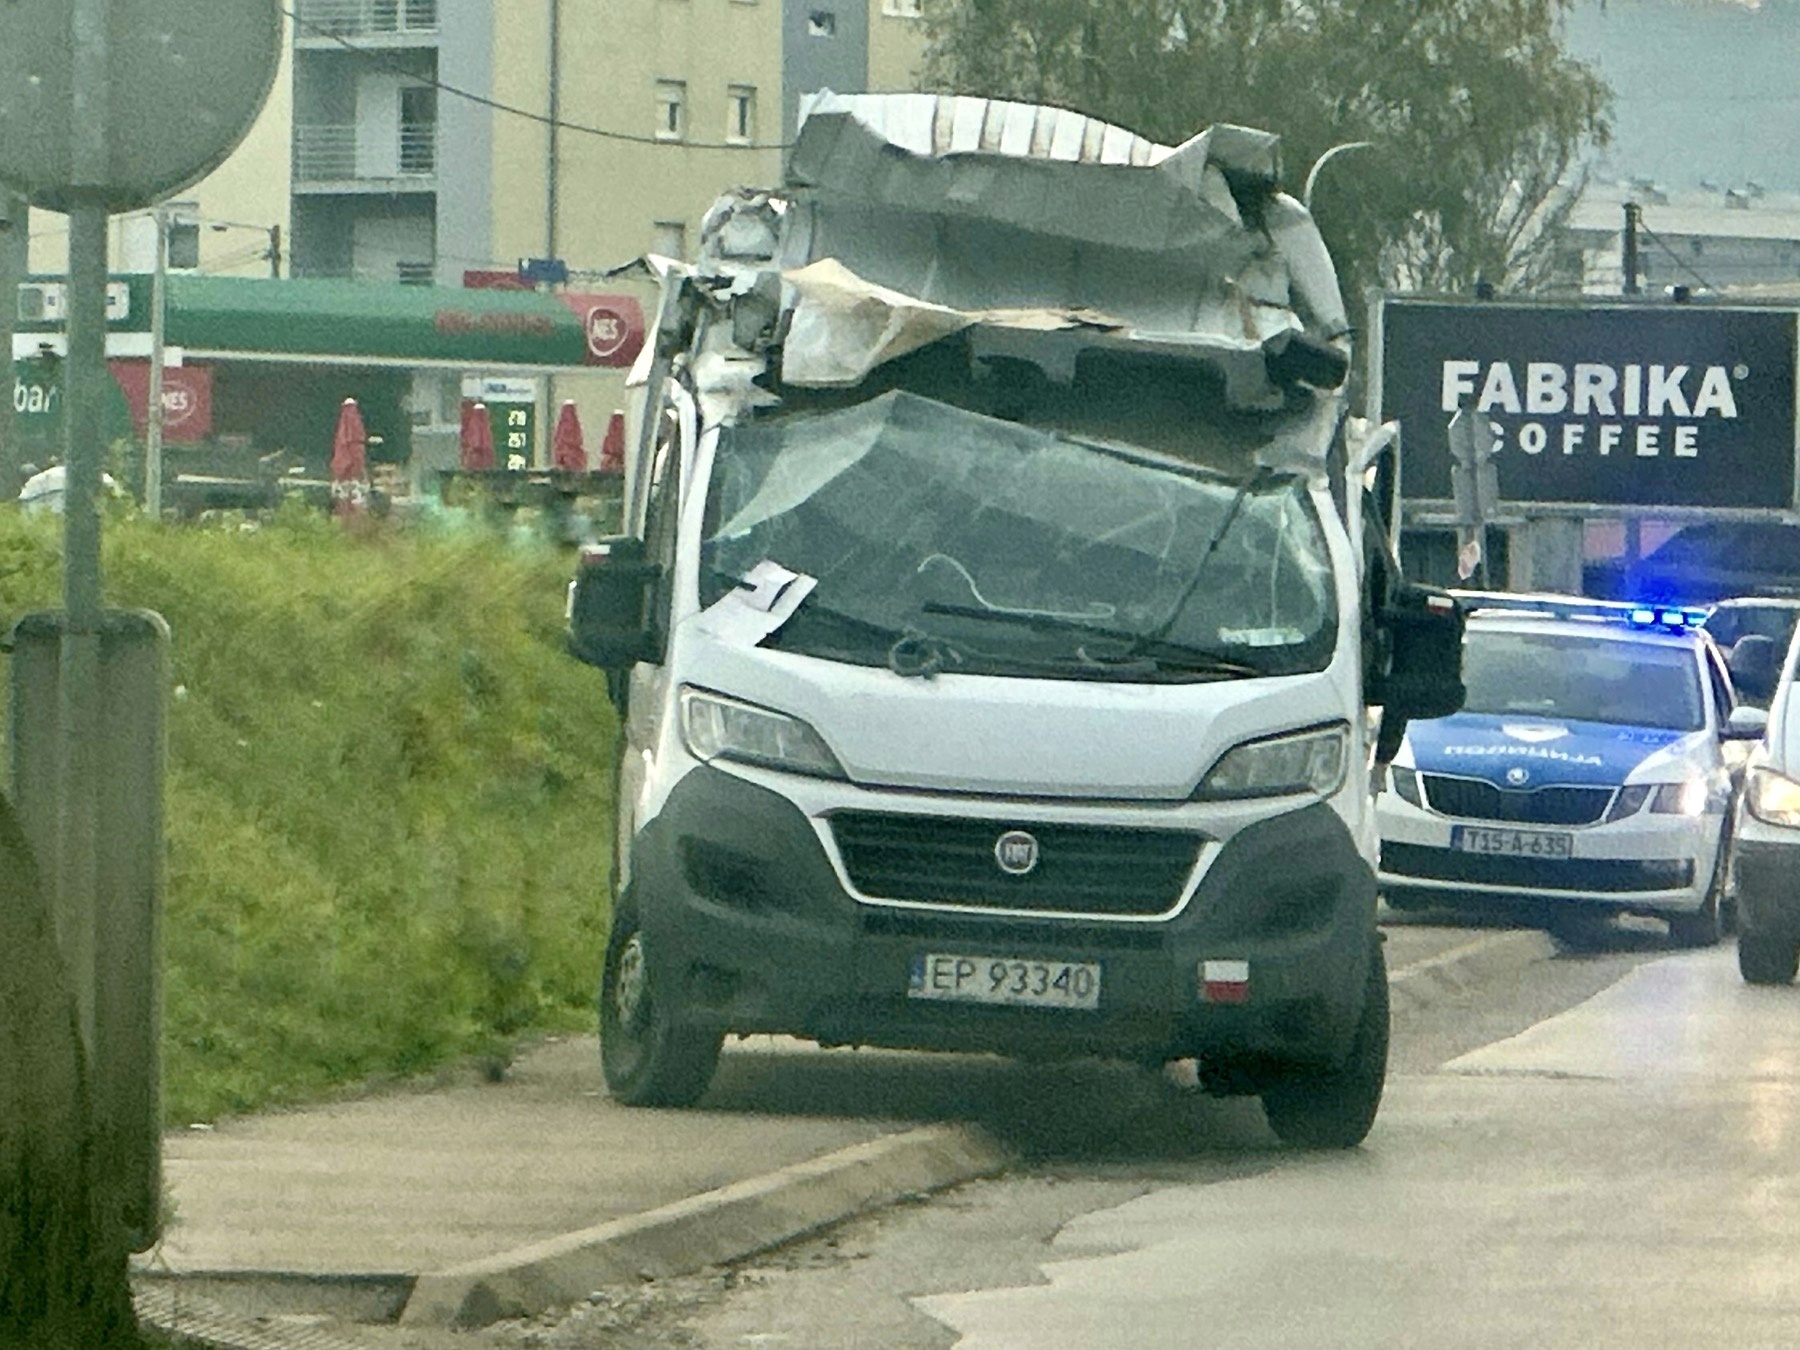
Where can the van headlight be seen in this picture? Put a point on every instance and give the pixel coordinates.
(716, 727)
(1301, 761)
(1773, 798)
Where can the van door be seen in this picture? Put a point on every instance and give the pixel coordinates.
(648, 699)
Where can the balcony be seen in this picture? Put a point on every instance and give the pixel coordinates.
(349, 155)
(322, 21)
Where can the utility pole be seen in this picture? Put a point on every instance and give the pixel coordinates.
(153, 402)
(1633, 215)
(275, 251)
(14, 259)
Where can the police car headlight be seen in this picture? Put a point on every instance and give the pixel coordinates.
(716, 727)
(1773, 798)
(1629, 801)
(1679, 799)
(1302, 761)
(1405, 783)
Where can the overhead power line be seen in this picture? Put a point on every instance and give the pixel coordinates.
(377, 58)
(1680, 261)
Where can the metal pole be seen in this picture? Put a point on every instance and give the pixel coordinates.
(14, 251)
(554, 119)
(275, 251)
(153, 409)
(1312, 175)
(1629, 250)
(78, 825)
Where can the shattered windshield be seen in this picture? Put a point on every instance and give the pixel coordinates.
(945, 540)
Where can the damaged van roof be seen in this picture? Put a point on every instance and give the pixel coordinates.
(905, 217)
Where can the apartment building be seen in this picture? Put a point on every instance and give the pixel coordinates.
(432, 138)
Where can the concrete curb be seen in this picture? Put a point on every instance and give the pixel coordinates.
(737, 1221)
(723, 1225)
(1423, 983)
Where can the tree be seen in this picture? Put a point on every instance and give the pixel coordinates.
(1478, 117)
(64, 1281)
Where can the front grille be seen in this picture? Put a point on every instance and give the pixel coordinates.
(1054, 935)
(1609, 875)
(1474, 799)
(1081, 869)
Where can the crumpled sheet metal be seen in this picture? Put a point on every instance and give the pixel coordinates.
(1045, 211)
(844, 326)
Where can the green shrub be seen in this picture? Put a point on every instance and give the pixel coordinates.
(388, 810)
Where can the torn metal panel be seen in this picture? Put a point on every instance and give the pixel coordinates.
(988, 208)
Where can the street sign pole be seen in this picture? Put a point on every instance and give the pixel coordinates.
(109, 106)
(1474, 484)
(83, 428)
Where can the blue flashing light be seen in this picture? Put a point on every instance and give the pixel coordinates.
(1659, 618)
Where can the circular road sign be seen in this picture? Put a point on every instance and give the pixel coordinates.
(181, 83)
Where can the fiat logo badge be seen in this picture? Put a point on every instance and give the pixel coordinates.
(1518, 776)
(1016, 852)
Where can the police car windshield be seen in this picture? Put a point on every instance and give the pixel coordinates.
(1576, 678)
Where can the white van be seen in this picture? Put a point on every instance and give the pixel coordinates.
(995, 625)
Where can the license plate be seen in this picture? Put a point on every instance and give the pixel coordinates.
(1512, 843)
(1019, 982)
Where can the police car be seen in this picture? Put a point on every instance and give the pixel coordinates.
(1587, 770)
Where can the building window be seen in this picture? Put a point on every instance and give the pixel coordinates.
(740, 113)
(903, 9)
(821, 23)
(671, 110)
(669, 238)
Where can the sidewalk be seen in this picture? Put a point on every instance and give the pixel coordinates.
(480, 1200)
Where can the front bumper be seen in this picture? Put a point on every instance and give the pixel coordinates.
(1644, 864)
(743, 895)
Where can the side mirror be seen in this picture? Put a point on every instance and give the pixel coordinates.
(1421, 629)
(1755, 665)
(1746, 723)
(606, 605)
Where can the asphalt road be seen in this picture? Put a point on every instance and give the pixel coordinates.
(1167, 1211)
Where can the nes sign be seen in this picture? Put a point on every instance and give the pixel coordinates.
(1629, 406)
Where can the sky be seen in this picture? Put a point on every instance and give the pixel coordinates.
(1704, 89)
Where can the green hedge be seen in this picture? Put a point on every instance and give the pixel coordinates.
(389, 811)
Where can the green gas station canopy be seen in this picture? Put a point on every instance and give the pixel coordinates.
(351, 321)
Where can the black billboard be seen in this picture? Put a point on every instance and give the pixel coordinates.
(1617, 405)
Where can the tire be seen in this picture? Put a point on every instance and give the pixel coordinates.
(1706, 925)
(1764, 959)
(647, 1057)
(1335, 1108)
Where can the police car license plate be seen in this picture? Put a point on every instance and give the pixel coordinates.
(1512, 843)
(1019, 982)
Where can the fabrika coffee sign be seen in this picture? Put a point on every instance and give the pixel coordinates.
(1609, 406)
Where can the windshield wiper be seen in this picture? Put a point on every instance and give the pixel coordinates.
(909, 651)
(1138, 652)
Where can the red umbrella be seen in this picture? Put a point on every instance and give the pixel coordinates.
(612, 449)
(477, 436)
(568, 452)
(349, 461)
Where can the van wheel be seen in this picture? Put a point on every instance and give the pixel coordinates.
(1706, 925)
(1763, 959)
(1334, 1108)
(647, 1057)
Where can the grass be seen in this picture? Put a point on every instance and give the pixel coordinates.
(388, 804)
